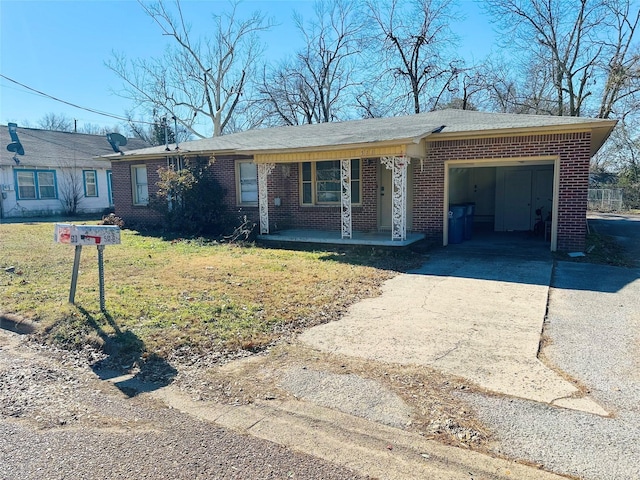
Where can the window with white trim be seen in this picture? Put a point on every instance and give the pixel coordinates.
(321, 184)
(36, 184)
(247, 183)
(90, 183)
(140, 184)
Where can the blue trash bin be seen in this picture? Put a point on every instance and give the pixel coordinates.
(456, 223)
(470, 209)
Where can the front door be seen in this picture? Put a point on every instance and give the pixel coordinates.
(385, 198)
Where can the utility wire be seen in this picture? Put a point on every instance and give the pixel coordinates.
(98, 112)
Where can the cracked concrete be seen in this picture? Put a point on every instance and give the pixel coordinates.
(477, 317)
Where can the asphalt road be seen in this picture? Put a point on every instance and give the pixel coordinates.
(624, 228)
(59, 421)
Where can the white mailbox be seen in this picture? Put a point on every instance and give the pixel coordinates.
(87, 234)
(80, 235)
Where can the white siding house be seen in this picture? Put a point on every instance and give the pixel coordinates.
(54, 173)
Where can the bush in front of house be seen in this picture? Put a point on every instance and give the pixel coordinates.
(112, 219)
(191, 200)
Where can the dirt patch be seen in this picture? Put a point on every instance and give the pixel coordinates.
(50, 389)
(436, 412)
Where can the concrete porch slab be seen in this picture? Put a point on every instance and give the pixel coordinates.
(381, 239)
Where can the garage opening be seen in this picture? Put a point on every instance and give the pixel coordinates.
(511, 204)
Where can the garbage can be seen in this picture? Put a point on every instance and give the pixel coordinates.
(456, 223)
(470, 209)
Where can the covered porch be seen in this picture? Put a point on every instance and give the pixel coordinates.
(378, 239)
(394, 159)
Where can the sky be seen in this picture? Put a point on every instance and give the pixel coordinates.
(60, 48)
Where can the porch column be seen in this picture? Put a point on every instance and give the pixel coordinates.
(264, 170)
(345, 176)
(398, 167)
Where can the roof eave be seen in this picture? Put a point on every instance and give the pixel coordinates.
(415, 140)
(114, 157)
(600, 131)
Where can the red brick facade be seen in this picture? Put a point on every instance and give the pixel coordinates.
(284, 184)
(573, 150)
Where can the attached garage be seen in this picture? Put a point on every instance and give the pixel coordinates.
(508, 196)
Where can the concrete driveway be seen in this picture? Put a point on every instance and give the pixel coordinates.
(479, 317)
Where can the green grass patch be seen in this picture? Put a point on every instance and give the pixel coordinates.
(182, 297)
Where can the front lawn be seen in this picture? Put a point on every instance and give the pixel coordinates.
(178, 299)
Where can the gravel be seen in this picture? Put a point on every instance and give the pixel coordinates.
(58, 421)
(594, 329)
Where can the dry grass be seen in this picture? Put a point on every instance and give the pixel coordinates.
(601, 249)
(182, 298)
(438, 413)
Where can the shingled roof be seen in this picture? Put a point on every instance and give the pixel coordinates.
(368, 132)
(47, 148)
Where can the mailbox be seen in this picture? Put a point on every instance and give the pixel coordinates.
(80, 235)
(87, 234)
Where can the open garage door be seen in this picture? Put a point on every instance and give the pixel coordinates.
(514, 199)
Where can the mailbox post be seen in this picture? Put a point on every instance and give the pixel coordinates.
(79, 235)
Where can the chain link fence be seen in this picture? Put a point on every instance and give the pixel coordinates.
(606, 199)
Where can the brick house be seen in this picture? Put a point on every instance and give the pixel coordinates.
(44, 172)
(391, 180)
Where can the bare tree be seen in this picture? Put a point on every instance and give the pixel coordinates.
(199, 80)
(56, 122)
(413, 39)
(574, 47)
(622, 65)
(621, 153)
(153, 131)
(70, 186)
(506, 88)
(318, 83)
(286, 98)
(468, 92)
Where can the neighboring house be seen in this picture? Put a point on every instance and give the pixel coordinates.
(390, 178)
(603, 179)
(43, 172)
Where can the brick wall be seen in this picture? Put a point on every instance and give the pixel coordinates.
(284, 184)
(428, 187)
(122, 186)
(573, 149)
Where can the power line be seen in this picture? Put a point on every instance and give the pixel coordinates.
(97, 112)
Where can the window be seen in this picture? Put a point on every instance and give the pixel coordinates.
(109, 191)
(90, 183)
(140, 187)
(321, 182)
(175, 163)
(36, 184)
(247, 183)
